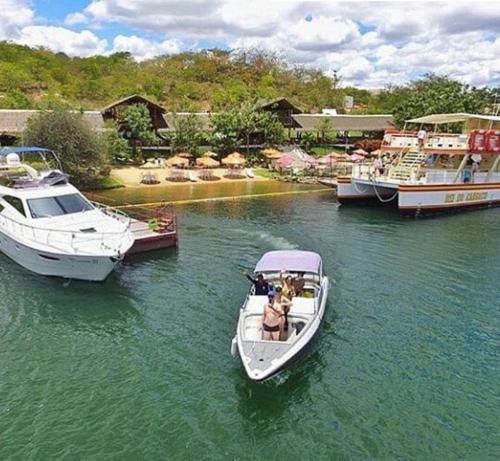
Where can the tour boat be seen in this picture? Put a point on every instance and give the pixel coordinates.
(432, 172)
(263, 359)
(48, 227)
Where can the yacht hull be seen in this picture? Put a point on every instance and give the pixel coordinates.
(415, 200)
(90, 268)
(349, 191)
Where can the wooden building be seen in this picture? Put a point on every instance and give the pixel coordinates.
(115, 111)
(284, 110)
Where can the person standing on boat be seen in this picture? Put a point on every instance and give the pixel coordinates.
(378, 166)
(421, 137)
(298, 284)
(476, 161)
(261, 287)
(272, 318)
(287, 289)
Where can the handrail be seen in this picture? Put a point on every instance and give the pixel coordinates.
(60, 238)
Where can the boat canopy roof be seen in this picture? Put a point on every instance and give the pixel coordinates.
(437, 119)
(23, 150)
(290, 260)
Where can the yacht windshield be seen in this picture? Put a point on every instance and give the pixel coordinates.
(56, 206)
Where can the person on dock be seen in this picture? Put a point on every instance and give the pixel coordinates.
(261, 286)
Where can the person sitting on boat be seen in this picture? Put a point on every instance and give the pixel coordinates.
(261, 286)
(272, 318)
(298, 284)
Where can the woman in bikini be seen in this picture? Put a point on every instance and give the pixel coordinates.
(272, 318)
(287, 288)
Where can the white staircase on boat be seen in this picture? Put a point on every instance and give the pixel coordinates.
(407, 166)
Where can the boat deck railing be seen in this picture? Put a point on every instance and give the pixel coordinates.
(82, 241)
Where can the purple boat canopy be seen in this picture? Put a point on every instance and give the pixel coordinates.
(290, 260)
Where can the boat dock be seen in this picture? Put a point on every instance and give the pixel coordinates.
(153, 228)
(147, 239)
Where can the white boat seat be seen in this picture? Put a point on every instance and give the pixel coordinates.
(253, 328)
(255, 304)
(304, 306)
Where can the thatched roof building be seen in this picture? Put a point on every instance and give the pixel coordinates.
(315, 122)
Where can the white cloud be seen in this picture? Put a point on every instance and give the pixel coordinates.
(83, 43)
(144, 49)
(14, 14)
(369, 44)
(75, 18)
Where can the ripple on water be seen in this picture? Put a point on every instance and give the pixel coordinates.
(406, 366)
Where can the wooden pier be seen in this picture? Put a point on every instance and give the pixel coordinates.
(147, 239)
(153, 228)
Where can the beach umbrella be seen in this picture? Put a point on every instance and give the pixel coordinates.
(149, 164)
(177, 161)
(327, 160)
(235, 159)
(272, 154)
(207, 162)
(356, 157)
(337, 155)
(308, 159)
(285, 161)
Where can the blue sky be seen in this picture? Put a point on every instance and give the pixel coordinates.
(369, 44)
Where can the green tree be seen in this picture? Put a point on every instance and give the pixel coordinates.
(188, 133)
(439, 94)
(138, 127)
(225, 134)
(15, 99)
(272, 129)
(231, 128)
(308, 140)
(78, 147)
(115, 145)
(324, 128)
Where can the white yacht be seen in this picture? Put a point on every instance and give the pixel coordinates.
(48, 227)
(264, 358)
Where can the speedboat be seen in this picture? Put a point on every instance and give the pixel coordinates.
(48, 227)
(263, 359)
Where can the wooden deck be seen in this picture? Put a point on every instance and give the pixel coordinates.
(149, 240)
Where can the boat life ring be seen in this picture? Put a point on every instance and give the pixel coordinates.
(493, 141)
(477, 140)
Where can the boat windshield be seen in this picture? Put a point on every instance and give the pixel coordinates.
(46, 207)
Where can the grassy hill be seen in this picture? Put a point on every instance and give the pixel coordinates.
(205, 80)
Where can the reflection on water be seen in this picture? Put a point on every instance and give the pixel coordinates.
(139, 367)
(181, 192)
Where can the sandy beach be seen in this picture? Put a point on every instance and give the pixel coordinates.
(131, 176)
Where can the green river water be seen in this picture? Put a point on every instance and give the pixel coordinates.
(139, 367)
